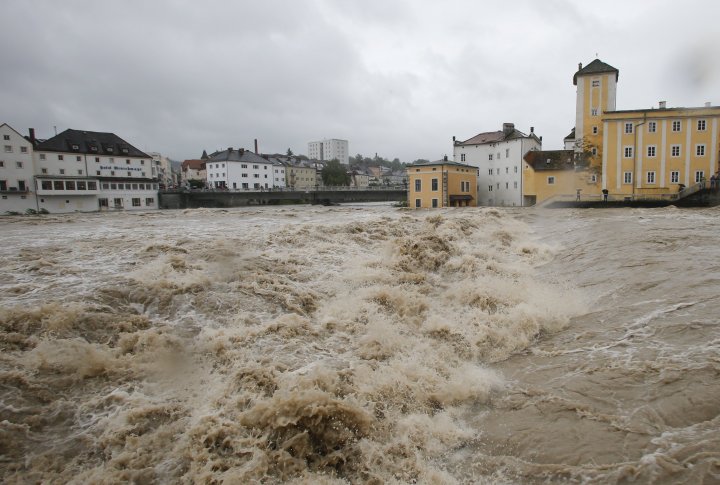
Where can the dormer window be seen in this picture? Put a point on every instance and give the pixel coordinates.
(93, 148)
(124, 150)
(75, 147)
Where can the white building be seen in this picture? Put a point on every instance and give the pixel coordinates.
(243, 170)
(329, 150)
(17, 191)
(161, 169)
(88, 171)
(499, 157)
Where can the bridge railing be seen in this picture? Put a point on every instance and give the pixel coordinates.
(316, 188)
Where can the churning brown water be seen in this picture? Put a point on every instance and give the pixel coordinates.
(361, 345)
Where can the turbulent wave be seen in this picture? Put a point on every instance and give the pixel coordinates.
(321, 346)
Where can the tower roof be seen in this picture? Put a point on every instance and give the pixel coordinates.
(595, 67)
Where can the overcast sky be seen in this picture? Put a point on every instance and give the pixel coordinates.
(394, 77)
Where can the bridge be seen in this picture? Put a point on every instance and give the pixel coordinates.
(194, 199)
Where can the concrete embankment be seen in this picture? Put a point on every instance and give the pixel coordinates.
(212, 199)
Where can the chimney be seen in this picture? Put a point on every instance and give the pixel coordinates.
(445, 158)
(532, 129)
(579, 66)
(663, 104)
(32, 135)
(453, 139)
(229, 150)
(241, 151)
(508, 128)
(256, 148)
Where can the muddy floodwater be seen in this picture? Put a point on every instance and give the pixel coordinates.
(361, 345)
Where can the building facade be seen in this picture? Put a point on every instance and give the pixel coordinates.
(498, 156)
(301, 174)
(17, 188)
(649, 153)
(193, 170)
(83, 171)
(330, 149)
(441, 184)
(243, 170)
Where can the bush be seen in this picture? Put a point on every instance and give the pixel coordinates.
(31, 212)
(44, 211)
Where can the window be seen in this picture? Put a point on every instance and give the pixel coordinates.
(62, 171)
(516, 169)
(92, 185)
(103, 202)
(97, 159)
(498, 186)
(515, 185)
(43, 171)
(593, 151)
(593, 178)
(701, 125)
(676, 125)
(594, 112)
(42, 156)
(129, 174)
(244, 175)
(18, 165)
(78, 158)
(243, 165)
(46, 185)
(489, 188)
(507, 185)
(245, 185)
(434, 202)
(417, 203)
(2, 164)
(628, 152)
(699, 176)
(61, 157)
(118, 202)
(256, 166)
(8, 148)
(595, 83)
(490, 156)
(490, 171)
(418, 185)
(136, 201)
(651, 151)
(700, 150)
(149, 201)
(127, 161)
(674, 177)
(652, 127)
(79, 172)
(675, 150)
(23, 149)
(507, 169)
(498, 155)
(142, 162)
(651, 177)
(81, 185)
(628, 128)
(595, 130)
(70, 185)
(627, 178)
(112, 172)
(507, 153)
(6, 137)
(434, 185)
(134, 186)
(462, 157)
(551, 180)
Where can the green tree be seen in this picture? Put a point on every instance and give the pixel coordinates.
(289, 153)
(335, 173)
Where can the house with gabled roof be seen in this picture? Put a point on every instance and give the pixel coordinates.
(498, 156)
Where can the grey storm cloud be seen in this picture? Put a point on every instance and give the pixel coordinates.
(399, 78)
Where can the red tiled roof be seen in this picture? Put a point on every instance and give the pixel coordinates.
(193, 164)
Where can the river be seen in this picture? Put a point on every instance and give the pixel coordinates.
(361, 345)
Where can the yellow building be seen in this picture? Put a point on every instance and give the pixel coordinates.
(442, 184)
(636, 154)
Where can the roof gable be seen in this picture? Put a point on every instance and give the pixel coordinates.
(595, 67)
(90, 142)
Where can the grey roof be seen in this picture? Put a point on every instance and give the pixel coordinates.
(551, 159)
(571, 136)
(596, 67)
(90, 142)
(239, 155)
(439, 162)
(494, 137)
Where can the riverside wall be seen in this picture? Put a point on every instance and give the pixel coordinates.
(219, 199)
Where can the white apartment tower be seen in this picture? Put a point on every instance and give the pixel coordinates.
(330, 149)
